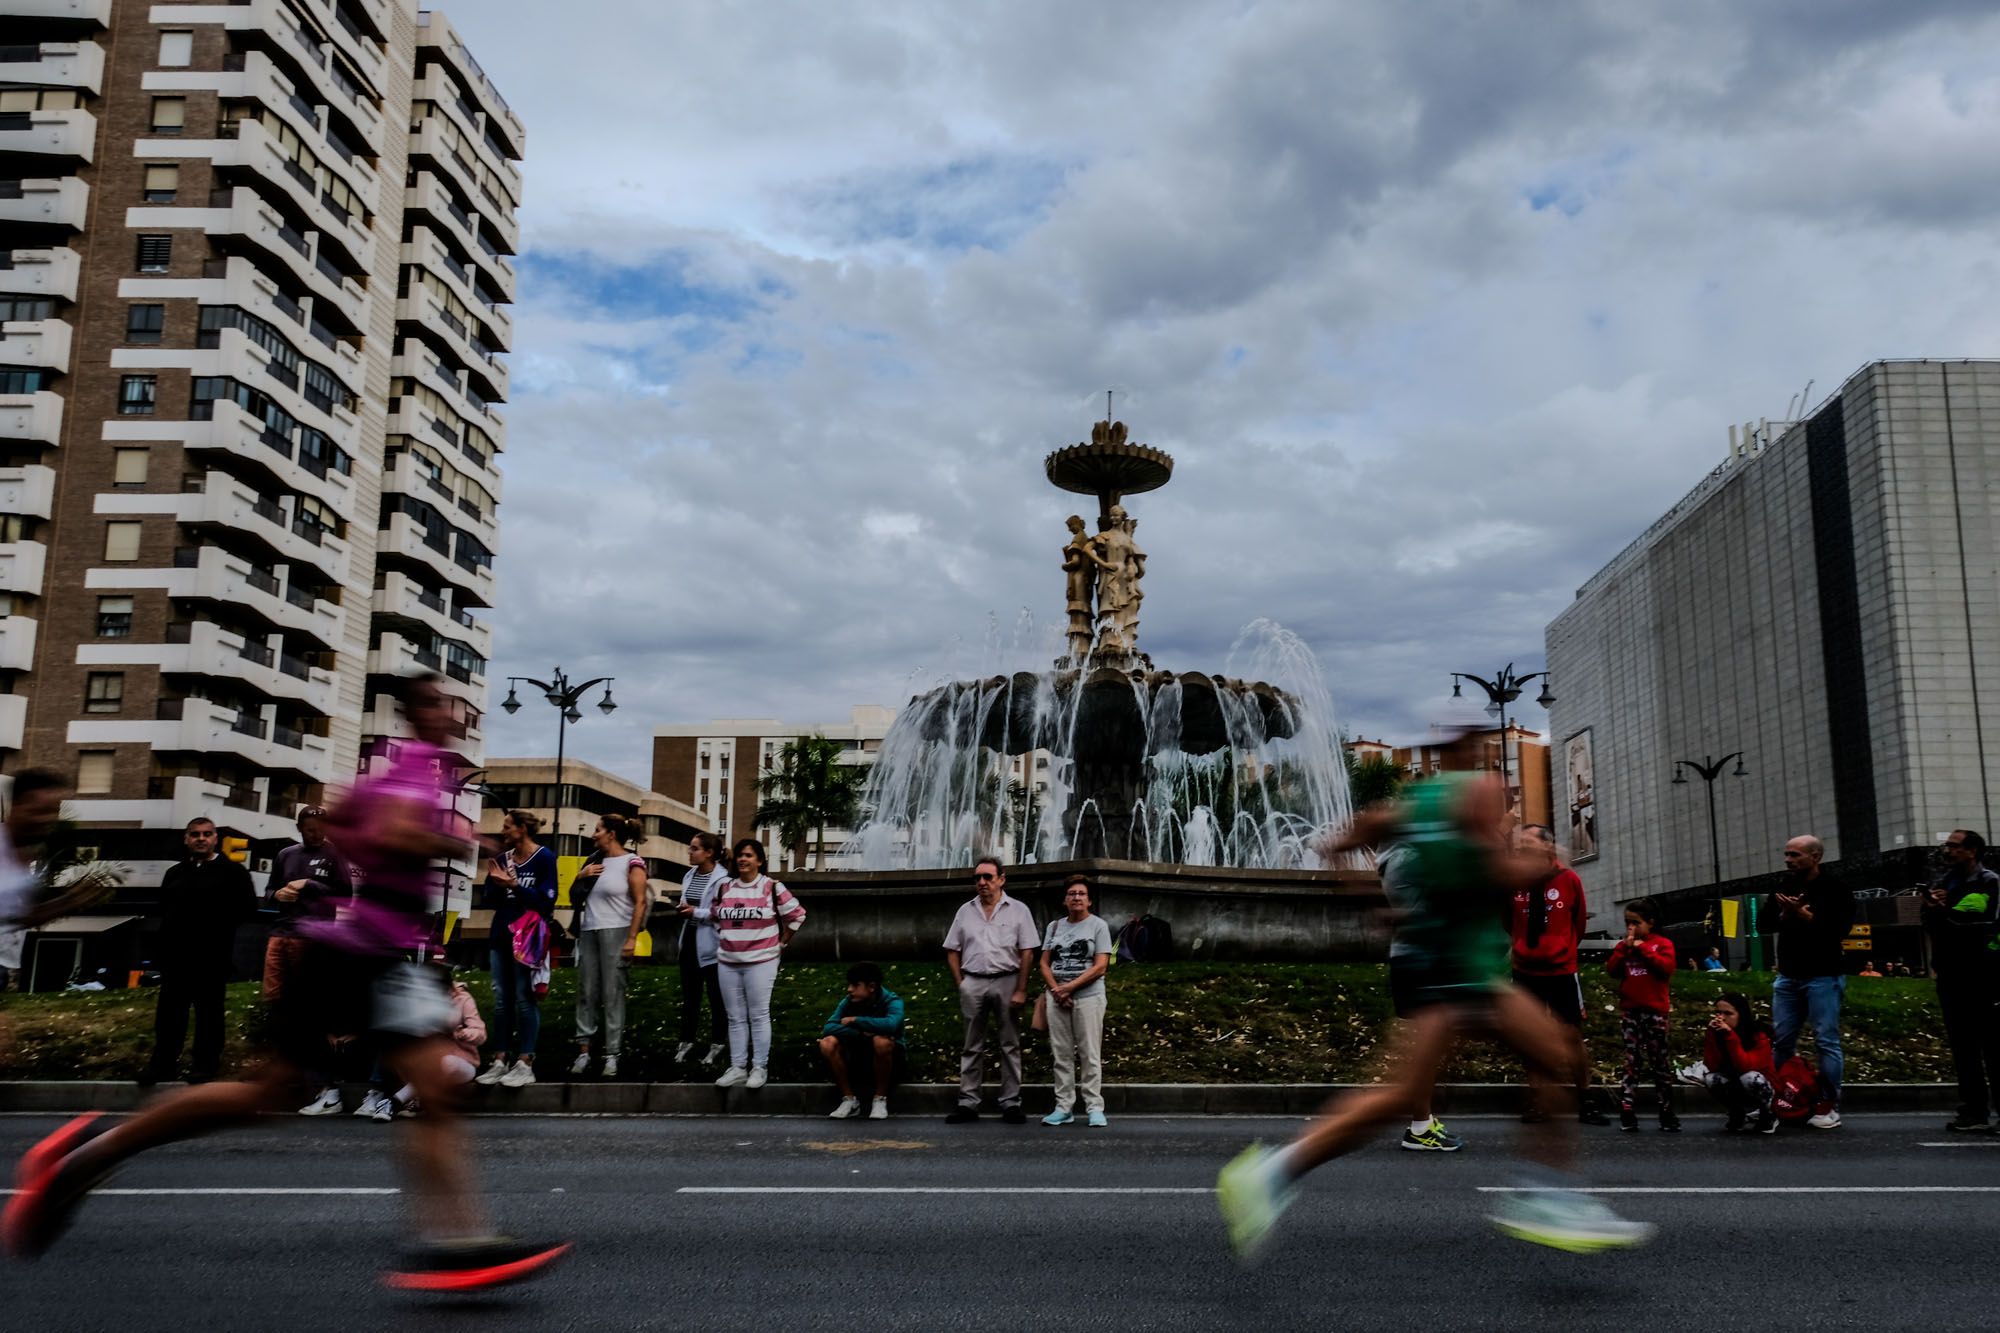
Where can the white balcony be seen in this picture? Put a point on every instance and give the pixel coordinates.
(97, 12)
(424, 247)
(225, 502)
(240, 212)
(29, 489)
(436, 34)
(22, 567)
(71, 133)
(17, 643)
(210, 650)
(13, 720)
(403, 598)
(50, 202)
(235, 432)
(463, 738)
(51, 272)
(208, 728)
(35, 342)
(32, 416)
(209, 573)
(253, 147)
(54, 64)
(184, 799)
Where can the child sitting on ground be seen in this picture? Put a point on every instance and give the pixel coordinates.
(1737, 1051)
(468, 1034)
(1644, 963)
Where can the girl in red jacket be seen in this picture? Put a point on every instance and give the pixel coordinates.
(1737, 1051)
(1644, 962)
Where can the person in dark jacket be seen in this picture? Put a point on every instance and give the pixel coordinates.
(308, 879)
(204, 898)
(1962, 917)
(521, 880)
(864, 1030)
(1814, 911)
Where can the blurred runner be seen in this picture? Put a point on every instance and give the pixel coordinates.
(1454, 896)
(355, 975)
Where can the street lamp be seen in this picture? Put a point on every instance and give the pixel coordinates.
(1503, 689)
(1709, 770)
(563, 697)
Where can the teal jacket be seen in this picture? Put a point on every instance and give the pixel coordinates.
(881, 1018)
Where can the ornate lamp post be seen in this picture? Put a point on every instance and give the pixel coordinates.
(1503, 689)
(563, 697)
(1709, 770)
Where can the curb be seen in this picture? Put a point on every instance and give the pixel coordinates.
(816, 1099)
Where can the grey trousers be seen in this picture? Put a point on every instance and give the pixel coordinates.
(976, 995)
(1076, 1040)
(600, 988)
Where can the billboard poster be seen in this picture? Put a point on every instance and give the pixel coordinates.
(1582, 796)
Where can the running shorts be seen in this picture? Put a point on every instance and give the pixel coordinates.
(1416, 984)
(1563, 995)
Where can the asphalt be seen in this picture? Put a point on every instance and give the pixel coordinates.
(774, 1223)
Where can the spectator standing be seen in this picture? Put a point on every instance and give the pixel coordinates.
(864, 1033)
(520, 882)
(1962, 917)
(755, 918)
(698, 952)
(1737, 1051)
(608, 925)
(1815, 910)
(204, 898)
(1076, 953)
(309, 879)
(1549, 917)
(989, 948)
(1644, 964)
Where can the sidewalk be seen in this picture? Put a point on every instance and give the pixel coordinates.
(1291, 1099)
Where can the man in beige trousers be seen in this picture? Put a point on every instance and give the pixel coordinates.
(989, 949)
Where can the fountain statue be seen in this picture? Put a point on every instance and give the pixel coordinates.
(1143, 764)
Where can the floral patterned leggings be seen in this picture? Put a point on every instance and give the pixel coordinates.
(1645, 1053)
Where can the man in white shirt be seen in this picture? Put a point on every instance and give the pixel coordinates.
(34, 803)
(990, 945)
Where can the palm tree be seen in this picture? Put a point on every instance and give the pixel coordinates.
(809, 790)
(1374, 779)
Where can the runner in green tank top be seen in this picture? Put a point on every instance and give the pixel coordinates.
(1452, 939)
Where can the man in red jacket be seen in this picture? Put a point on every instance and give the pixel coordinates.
(1548, 919)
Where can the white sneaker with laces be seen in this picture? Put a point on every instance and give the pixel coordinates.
(715, 1052)
(327, 1103)
(520, 1076)
(731, 1077)
(611, 1066)
(849, 1108)
(580, 1065)
(378, 1107)
(682, 1052)
(758, 1078)
(880, 1109)
(369, 1103)
(493, 1073)
(1826, 1120)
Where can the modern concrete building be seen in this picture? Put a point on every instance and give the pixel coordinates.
(1826, 602)
(254, 259)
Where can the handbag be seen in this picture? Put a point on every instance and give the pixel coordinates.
(1039, 1020)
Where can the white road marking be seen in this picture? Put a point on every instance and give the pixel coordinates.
(1762, 1189)
(1961, 1143)
(235, 1190)
(943, 1189)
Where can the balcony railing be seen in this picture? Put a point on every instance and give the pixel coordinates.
(296, 667)
(461, 674)
(243, 798)
(169, 710)
(268, 510)
(287, 737)
(426, 658)
(249, 724)
(307, 530)
(435, 601)
(261, 654)
(298, 596)
(262, 582)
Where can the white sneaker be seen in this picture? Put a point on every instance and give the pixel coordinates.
(758, 1078)
(715, 1052)
(377, 1106)
(880, 1109)
(849, 1108)
(520, 1076)
(731, 1077)
(493, 1073)
(580, 1065)
(1826, 1120)
(682, 1052)
(611, 1066)
(327, 1103)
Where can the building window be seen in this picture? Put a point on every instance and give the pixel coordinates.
(38, 99)
(155, 253)
(162, 182)
(93, 773)
(135, 395)
(169, 115)
(114, 617)
(129, 466)
(104, 692)
(121, 542)
(176, 49)
(145, 323)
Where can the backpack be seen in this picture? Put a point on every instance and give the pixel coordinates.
(1145, 939)
(1797, 1091)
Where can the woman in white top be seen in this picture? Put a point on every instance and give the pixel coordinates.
(608, 926)
(697, 951)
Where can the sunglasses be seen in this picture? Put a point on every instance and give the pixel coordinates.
(984, 875)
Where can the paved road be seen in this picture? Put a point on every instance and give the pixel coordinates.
(1385, 1239)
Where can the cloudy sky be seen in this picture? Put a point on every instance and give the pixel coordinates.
(1436, 307)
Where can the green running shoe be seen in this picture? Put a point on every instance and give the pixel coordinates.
(1567, 1220)
(1251, 1199)
(1435, 1138)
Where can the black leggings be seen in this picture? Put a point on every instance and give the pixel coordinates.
(694, 980)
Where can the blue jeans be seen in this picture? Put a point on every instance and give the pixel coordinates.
(517, 1014)
(1797, 1001)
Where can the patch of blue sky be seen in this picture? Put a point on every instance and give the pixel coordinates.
(986, 201)
(1569, 188)
(658, 286)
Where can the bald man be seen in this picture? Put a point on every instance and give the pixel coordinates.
(1814, 911)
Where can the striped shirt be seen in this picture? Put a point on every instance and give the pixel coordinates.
(747, 918)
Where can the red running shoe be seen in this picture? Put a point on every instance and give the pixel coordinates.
(57, 1146)
(52, 1181)
(473, 1265)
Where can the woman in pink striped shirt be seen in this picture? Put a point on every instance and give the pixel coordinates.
(755, 917)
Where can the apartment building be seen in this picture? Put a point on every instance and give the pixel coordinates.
(254, 270)
(1526, 765)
